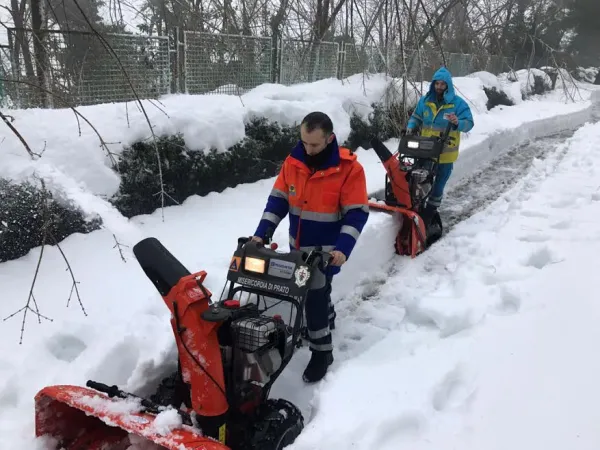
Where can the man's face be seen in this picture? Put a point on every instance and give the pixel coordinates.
(314, 141)
(440, 87)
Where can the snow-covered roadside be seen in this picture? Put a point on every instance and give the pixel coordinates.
(498, 324)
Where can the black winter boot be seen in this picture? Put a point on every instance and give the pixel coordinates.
(317, 366)
(427, 214)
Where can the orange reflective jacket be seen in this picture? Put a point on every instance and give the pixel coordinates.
(327, 207)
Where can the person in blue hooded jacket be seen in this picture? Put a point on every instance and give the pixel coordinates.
(432, 113)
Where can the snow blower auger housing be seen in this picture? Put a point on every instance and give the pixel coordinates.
(230, 354)
(410, 173)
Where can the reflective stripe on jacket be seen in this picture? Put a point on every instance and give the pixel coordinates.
(327, 207)
(431, 117)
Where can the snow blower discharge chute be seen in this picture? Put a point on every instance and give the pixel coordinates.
(410, 173)
(230, 354)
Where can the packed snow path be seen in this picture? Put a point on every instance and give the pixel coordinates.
(360, 325)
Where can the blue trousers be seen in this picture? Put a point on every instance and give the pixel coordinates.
(437, 191)
(320, 318)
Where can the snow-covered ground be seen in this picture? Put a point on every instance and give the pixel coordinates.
(404, 325)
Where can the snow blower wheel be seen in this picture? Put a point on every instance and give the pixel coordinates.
(231, 351)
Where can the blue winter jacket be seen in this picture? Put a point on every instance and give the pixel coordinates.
(429, 115)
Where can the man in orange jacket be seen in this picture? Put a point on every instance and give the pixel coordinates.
(323, 188)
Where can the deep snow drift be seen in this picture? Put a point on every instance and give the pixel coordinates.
(126, 338)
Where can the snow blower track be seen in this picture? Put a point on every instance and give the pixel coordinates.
(487, 184)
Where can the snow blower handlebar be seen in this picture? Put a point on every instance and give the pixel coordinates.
(310, 258)
(428, 151)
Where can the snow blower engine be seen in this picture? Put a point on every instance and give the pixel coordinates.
(230, 354)
(410, 174)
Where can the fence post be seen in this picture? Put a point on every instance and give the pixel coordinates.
(280, 59)
(182, 48)
(341, 60)
(174, 59)
(275, 57)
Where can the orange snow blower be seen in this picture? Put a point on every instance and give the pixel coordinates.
(410, 173)
(230, 354)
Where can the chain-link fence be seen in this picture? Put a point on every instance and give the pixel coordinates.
(358, 59)
(80, 68)
(305, 61)
(226, 63)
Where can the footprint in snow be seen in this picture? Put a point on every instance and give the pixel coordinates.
(562, 203)
(391, 429)
(510, 302)
(65, 347)
(453, 391)
(528, 213)
(540, 258)
(562, 225)
(370, 291)
(536, 237)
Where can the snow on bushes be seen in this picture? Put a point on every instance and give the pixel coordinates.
(206, 144)
(30, 214)
(587, 75)
(186, 172)
(530, 81)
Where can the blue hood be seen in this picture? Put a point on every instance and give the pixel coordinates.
(442, 74)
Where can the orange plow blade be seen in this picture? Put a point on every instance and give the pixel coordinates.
(80, 418)
(411, 238)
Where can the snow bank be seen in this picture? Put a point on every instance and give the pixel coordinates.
(73, 147)
(496, 348)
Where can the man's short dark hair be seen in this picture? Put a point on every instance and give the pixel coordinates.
(319, 120)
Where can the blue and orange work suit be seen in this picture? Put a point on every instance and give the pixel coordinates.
(327, 207)
(429, 114)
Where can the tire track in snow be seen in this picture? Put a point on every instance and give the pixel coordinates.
(487, 184)
(362, 322)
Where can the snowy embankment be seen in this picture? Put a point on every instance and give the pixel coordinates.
(126, 338)
(491, 336)
(76, 156)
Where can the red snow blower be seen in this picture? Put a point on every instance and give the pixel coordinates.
(230, 354)
(410, 173)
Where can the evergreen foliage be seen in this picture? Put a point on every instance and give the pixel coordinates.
(26, 212)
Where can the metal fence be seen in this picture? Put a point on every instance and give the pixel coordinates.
(302, 61)
(81, 68)
(226, 63)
